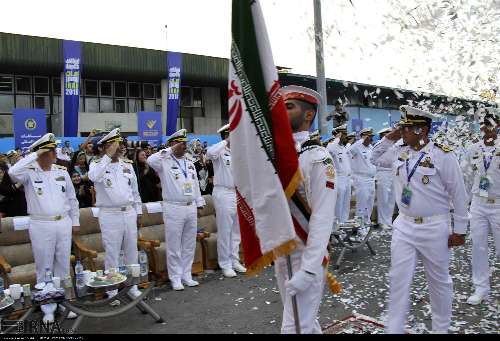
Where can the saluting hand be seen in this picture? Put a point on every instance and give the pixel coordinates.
(394, 135)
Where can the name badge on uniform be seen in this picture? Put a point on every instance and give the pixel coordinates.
(39, 191)
(61, 178)
(484, 186)
(108, 182)
(187, 189)
(406, 197)
(126, 171)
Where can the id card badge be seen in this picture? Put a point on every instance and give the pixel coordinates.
(406, 197)
(484, 186)
(187, 188)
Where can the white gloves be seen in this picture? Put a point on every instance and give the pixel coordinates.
(300, 281)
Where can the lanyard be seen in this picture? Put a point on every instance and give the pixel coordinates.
(410, 175)
(184, 171)
(487, 164)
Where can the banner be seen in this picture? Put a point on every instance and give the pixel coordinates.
(174, 69)
(149, 127)
(29, 126)
(72, 51)
(357, 125)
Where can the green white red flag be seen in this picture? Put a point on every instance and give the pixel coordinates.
(264, 159)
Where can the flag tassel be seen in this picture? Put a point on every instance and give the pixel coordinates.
(265, 260)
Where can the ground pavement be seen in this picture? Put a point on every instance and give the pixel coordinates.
(252, 305)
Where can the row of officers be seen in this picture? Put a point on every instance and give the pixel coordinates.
(424, 179)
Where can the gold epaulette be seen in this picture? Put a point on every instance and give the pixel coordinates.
(128, 161)
(444, 148)
(61, 167)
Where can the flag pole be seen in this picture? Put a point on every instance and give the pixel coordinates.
(294, 298)
(320, 67)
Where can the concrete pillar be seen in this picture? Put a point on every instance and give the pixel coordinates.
(164, 103)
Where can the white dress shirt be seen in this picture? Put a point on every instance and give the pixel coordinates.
(476, 157)
(48, 194)
(361, 156)
(341, 157)
(175, 174)
(115, 184)
(220, 155)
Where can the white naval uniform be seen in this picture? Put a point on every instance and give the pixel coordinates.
(342, 163)
(422, 229)
(179, 211)
(53, 209)
(386, 199)
(224, 195)
(314, 165)
(364, 178)
(119, 203)
(485, 211)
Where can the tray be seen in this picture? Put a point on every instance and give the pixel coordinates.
(108, 284)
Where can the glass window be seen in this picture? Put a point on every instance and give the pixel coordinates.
(6, 84)
(23, 84)
(149, 91)
(149, 105)
(90, 88)
(134, 90)
(57, 105)
(134, 105)
(6, 103)
(41, 102)
(120, 105)
(106, 89)
(91, 105)
(158, 91)
(106, 105)
(197, 97)
(120, 89)
(23, 101)
(186, 96)
(158, 105)
(56, 86)
(41, 85)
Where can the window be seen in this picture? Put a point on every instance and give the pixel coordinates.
(134, 105)
(186, 97)
(6, 103)
(149, 91)
(120, 89)
(158, 91)
(91, 105)
(57, 105)
(23, 84)
(106, 105)
(41, 102)
(197, 97)
(56, 86)
(106, 89)
(23, 101)
(149, 105)
(120, 105)
(41, 85)
(134, 90)
(90, 88)
(6, 84)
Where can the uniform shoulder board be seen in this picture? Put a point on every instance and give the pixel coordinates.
(96, 160)
(128, 161)
(321, 154)
(445, 149)
(61, 167)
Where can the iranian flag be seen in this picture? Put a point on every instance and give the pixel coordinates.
(264, 160)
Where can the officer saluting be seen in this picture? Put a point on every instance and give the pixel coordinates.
(119, 203)
(181, 195)
(427, 178)
(53, 209)
(483, 169)
(318, 191)
(224, 195)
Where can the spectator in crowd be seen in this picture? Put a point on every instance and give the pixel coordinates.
(68, 149)
(204, 168)
(149, 182)
(83, 190)
(12, 198)
(12, 157)
(80, 165)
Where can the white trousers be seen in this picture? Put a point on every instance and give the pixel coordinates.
(343, 203)
(180, 235)
(429, 242)
(386, 199)
(308, 301)
(119, 231)
(51, 245)
(365, 196)
(228, 227)
(484, 217)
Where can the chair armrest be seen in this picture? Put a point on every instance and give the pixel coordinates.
(83, 250)
(4, 266)
(153, 243)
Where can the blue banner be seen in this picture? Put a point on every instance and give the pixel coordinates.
(72, 51)
(149, 126)
(436, 125)
(29, 126)
(174, 69)
(357, 125)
